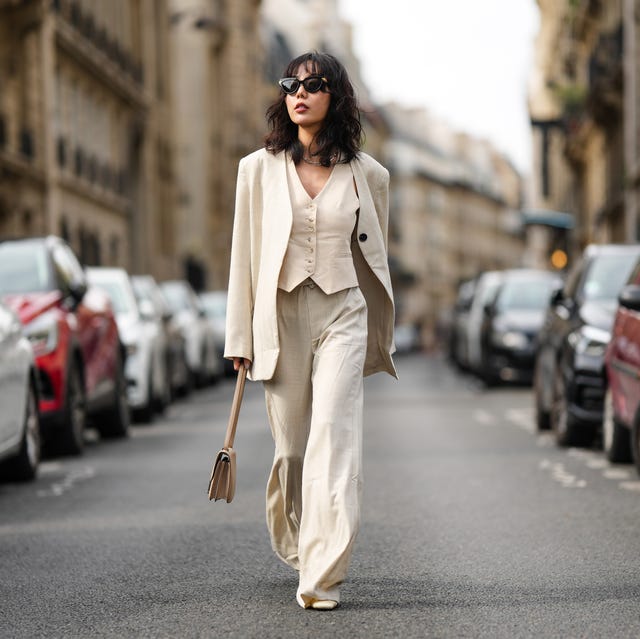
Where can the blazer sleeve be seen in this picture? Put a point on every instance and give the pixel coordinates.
(381, 202)
(238, 331)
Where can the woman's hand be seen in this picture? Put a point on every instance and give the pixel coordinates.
(241, 361)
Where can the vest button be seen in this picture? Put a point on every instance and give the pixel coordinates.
(362, 237)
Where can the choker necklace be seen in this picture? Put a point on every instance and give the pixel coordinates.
(332, 160)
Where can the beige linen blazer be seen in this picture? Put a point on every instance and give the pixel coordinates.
(261, 229)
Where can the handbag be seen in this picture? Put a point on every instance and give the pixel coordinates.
(222, 484)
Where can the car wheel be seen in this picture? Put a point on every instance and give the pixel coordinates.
(616, 439)
(164, 399)
(115, 421)
(543, 417)
(24, 466)
(145, 414)
(635, 442)
(567, 431)
(75, 414)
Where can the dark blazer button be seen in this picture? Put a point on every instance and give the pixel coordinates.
(362, 237)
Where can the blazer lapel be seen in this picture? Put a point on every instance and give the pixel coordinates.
(278, 215)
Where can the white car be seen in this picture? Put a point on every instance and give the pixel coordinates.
(147, 291)
(215, 307)
(141, 333)
(204, 364)
(19, 419)
(485, 290)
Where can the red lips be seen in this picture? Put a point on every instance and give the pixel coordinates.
(300, 107)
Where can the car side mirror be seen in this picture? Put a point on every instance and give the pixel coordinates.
(557, 297)
(630, 297)
(78, 290)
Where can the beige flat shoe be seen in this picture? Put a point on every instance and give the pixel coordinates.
(324, 604)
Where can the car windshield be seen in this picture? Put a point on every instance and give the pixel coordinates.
(523, 294)
(24, 268)
(214, 306)
(606, 276)
(178, 297)
(121, 302)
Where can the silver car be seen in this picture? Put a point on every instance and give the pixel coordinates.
(147, 291)
(215, 308)
(204, 364)
(19, 419)
(141, 333)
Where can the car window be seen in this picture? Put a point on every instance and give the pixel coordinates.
(121, 301)
(24, 268)
(178, 298)
(67, 266)
(573, 279)
(214, 306)
(606, 275)
(524, 294)
(634, 278)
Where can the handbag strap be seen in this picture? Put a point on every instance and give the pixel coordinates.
(235, 407)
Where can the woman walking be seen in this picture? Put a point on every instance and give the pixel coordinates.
(310, 312)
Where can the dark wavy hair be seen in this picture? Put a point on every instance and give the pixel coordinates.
(341, 133)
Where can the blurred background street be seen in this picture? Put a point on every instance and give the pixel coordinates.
(473, 526)
(502, 492)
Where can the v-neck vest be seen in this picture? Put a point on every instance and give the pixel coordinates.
(320, 242)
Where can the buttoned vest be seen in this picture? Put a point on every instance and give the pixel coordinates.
(320, 241)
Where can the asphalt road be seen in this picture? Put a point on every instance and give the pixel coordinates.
(473, 526)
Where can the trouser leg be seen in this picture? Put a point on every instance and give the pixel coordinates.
(288, 402)
(314, 403)
(332, 470)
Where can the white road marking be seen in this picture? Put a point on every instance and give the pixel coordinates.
(561, 475)
(483, 417)
(47, 468)
(522, 418)
(597, 463)
(73, 477)
(616, 473)
(630, 485)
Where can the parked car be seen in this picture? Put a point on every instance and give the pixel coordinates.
(458, 343)
(73, 331)
(142, 335)
(214, 304)
(202, 360)
(485, 290)
(621, 419)
(147, 289)
(19, 418)
(568, 376)
(511, 323)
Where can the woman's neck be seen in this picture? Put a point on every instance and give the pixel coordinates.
(306, 138)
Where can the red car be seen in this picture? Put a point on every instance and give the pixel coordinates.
(621, 422)
(75, 340)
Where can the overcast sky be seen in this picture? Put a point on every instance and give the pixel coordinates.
(466, 60)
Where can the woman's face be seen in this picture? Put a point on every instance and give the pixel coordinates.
(308, 110)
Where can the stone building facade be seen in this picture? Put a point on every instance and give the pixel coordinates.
(454, 206)
(583, 104)
(218, 118)
(85, 128)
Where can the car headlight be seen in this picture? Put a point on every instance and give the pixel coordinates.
(510, 339)
(43, 333)
(590, 340)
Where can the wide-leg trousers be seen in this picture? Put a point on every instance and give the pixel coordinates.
(314, 404)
